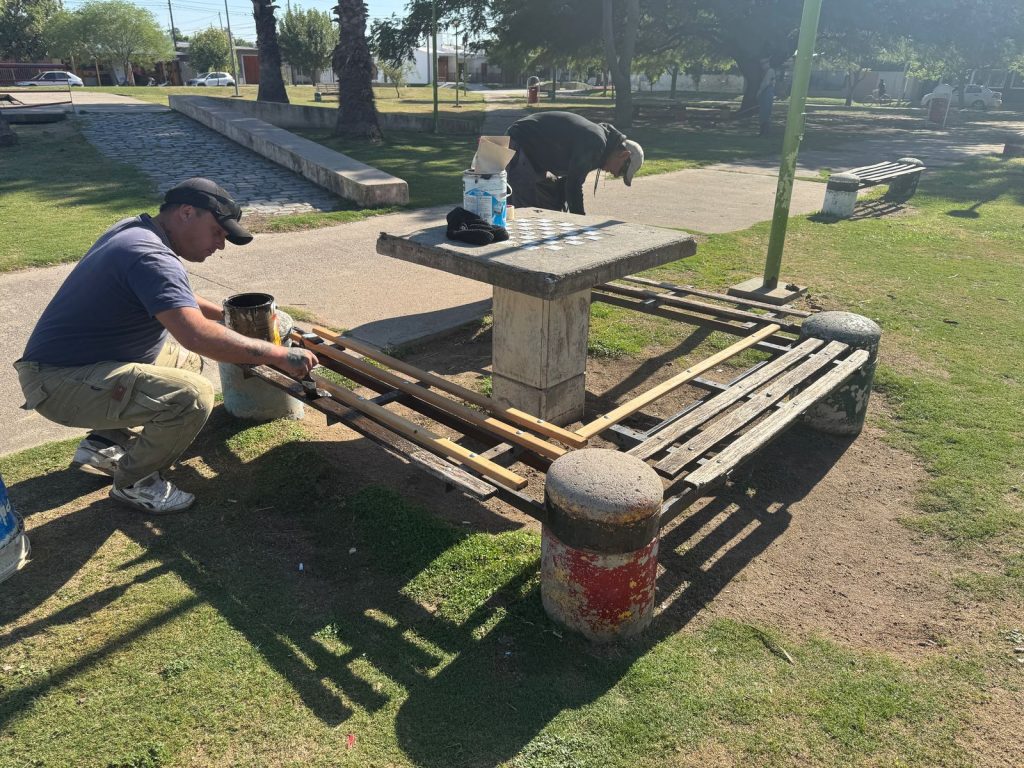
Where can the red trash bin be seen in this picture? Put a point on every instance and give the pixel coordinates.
(533, 94)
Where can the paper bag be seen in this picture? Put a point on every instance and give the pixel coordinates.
(492, 154)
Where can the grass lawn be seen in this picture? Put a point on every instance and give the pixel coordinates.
(410, 641)
(412, 98)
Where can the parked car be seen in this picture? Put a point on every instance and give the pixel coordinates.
(52, 78)
(212, 78)
(975, 97)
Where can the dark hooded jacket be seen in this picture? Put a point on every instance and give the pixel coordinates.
(566, 145)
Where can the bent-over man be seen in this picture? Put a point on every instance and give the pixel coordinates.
(100, 356)
(554, 153)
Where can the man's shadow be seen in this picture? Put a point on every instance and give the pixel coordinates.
(477, 689)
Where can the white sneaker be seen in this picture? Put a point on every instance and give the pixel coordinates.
(153, 494)
(97, 457)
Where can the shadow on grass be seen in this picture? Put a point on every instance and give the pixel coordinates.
(478, 687)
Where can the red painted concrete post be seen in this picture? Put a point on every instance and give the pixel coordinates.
(599, 547)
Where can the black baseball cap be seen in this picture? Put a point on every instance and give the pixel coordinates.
(205, 194)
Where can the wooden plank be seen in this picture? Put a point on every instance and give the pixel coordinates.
(604, 421)
(700, 306)
(758, 403)
(422, 436)
(893, 173)
(397, 446)
(719, 403)
(867, 168)
(782, 309)
(718, 468)
(523, 419)
(506, 432)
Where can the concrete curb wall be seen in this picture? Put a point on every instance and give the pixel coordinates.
(323, 118)
(348, 178)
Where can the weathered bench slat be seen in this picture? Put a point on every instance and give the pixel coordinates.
(783, 309)
(604, 421)
(700, 306)
(891, 174)
(393, 443)
(759, 402)
(727, 460)
(720, 402)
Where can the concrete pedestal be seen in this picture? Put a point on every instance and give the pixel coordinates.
(251, 398)
(599, 547)
(540, 353)
(1014, 147)
(843, 412)
(840, 195)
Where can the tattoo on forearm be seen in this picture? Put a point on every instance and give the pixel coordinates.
(295, 357)
(257, 349)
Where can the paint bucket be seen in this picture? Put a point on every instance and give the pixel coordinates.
(486, 195)
(253, 315)
(14, 546)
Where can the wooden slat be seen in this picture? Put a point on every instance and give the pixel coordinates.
(868, 168)
(720, 402)
(606, 420)
(782, 309)
(719, 467)
(700, 306)
(516, 416)
(759, 402)
(398, 446)
(894, 173)
(506, 432)
(422, 436)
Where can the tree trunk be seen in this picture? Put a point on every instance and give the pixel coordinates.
(129, 75)
(750, 67)
(271, 81)
(96, 63)
(353, 66)
(962, 82)
(675, 77)
(620, 62)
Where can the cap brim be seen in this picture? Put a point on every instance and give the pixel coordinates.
(236, 233)
(627, 177)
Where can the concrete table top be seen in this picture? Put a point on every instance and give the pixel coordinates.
(549, 254)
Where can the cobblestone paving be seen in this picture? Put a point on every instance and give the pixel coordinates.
(169, 148)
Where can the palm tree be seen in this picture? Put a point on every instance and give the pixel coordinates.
(271, 82)
(357, 112)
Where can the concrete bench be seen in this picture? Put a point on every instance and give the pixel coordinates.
(326, 89)
(902, 177)
(344, 176)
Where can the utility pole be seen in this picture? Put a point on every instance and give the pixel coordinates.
(231, 46)
(174, 32)
(433, 36)
(220, 21)
(457, 64)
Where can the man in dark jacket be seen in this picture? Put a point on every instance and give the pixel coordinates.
(554, 153)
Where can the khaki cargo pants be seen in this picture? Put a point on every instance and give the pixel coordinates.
(169, 399)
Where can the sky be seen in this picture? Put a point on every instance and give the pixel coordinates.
(195, 15)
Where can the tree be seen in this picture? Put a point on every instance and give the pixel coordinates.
(22, 24)
(307, 39)
(123, 33)
(620, 47)
(271, 81)
(353, 66)
(397, 75)
(209, 50)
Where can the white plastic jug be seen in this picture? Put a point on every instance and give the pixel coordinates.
(486, 195)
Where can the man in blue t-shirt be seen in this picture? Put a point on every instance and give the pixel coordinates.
(100, 356)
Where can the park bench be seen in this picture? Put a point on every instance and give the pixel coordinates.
(325, 89)
(902, 176)
(701, 116)
(695, 450)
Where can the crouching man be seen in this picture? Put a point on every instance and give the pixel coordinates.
(100, 357)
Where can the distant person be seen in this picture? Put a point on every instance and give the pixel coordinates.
(881, 88)
(100, 357)
(766, 96)
(554, 153)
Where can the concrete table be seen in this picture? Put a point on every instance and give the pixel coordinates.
(542, 278)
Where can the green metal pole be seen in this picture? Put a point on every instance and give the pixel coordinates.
(791, 141)
(433, 34)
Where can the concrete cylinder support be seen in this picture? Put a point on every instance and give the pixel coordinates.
(843, 412)
(599, 547)
(255, 315)
(1014, 147)
(840, 195)
(904, 187)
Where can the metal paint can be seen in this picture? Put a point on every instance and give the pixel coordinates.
(253, 315)
(14, 545)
